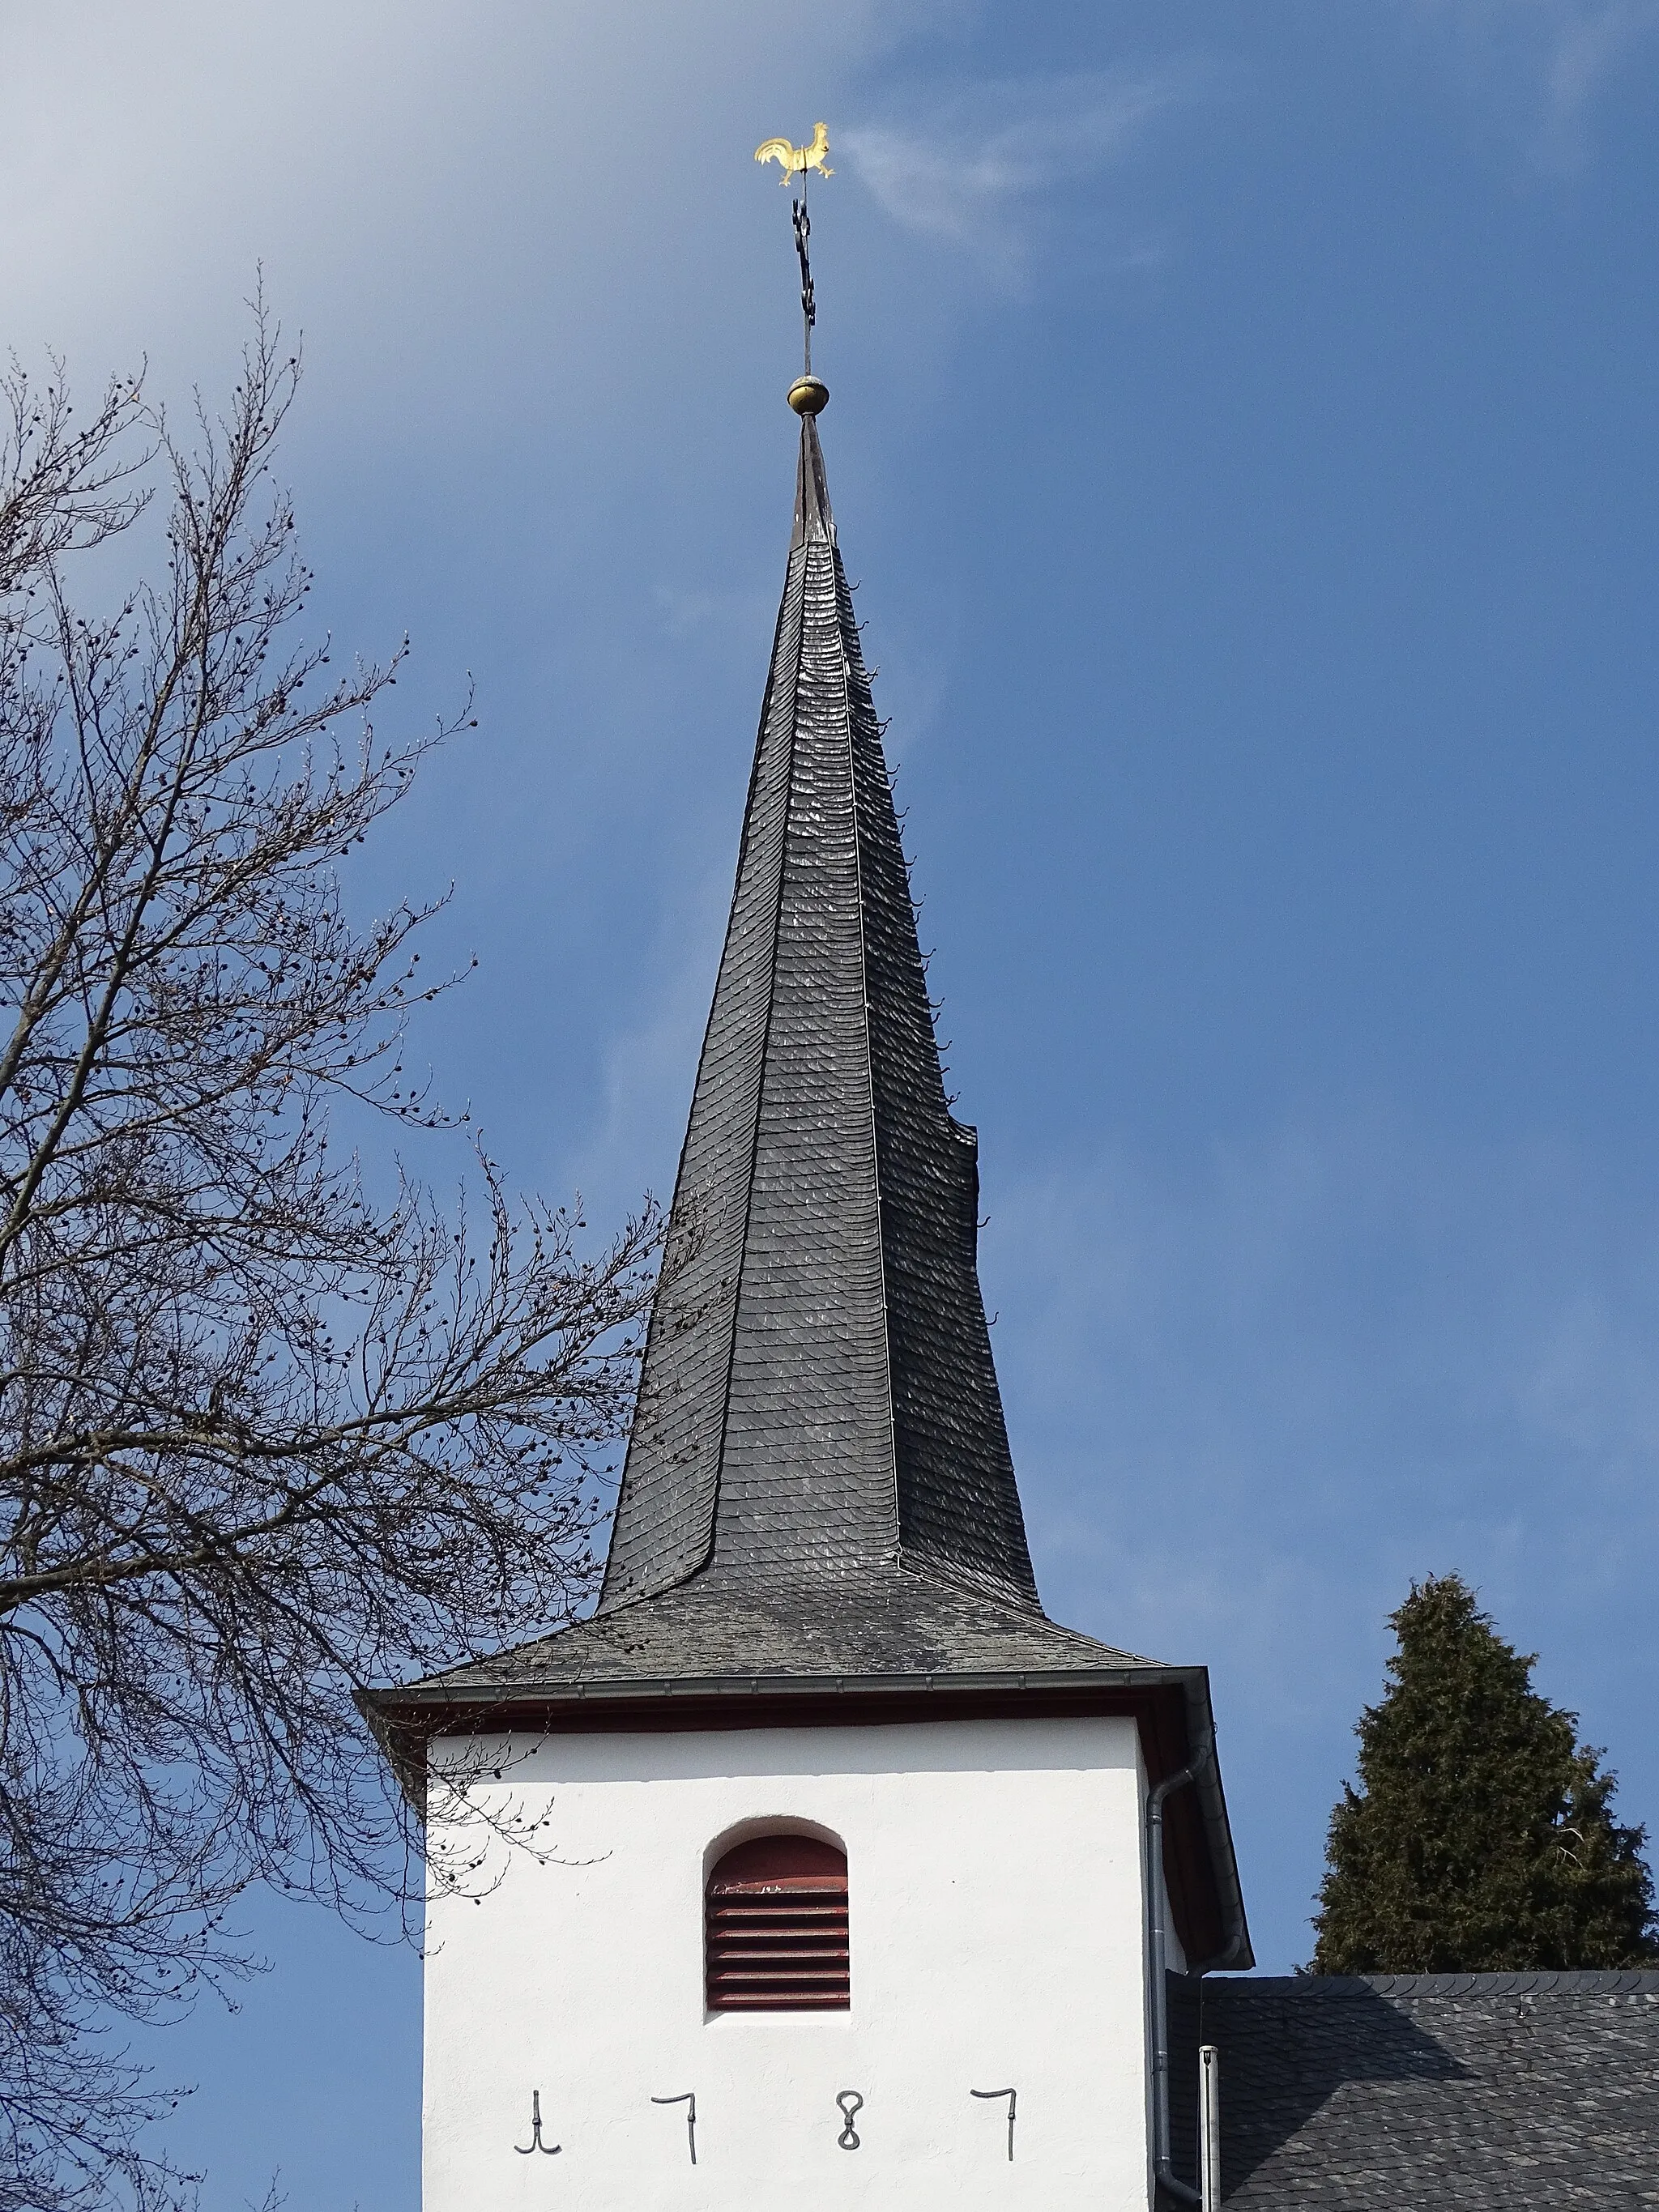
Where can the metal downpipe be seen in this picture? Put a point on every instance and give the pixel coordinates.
(1163, 2173)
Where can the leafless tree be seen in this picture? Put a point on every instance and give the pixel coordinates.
(268, 1431)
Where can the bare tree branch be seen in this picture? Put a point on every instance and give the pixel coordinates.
(268, 1433)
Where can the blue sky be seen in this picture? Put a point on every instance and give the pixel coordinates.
(1243, 430)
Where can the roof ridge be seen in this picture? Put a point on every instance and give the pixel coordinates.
(810, 431)
(1543, 1982)
(771, 1006)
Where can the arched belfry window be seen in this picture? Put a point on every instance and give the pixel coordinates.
(776, 1921)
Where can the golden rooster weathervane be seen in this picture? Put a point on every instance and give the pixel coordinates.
(796, 160)
(808, 394)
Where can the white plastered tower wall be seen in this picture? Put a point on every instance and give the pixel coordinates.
(998, 1919)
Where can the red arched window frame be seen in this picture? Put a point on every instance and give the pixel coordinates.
(775, 1935)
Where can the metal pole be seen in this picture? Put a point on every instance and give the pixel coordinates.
(1209, 2127)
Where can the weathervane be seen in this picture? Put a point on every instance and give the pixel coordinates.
(808, 394)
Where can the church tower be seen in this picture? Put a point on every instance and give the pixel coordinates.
(857, 1875)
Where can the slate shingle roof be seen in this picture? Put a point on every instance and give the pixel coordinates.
(818, 1394)
(884, 1622)
(1442, 2093)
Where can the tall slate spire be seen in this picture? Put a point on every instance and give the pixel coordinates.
(818, 1522)
(818, 1402)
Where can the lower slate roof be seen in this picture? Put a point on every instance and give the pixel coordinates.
(877, 1623)
(1463, 2092)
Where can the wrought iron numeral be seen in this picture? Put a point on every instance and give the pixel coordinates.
(688, 2099)
(1013, 2099)
(535, 2144)
(851, 2105)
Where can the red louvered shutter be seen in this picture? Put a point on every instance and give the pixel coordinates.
(776, 1927)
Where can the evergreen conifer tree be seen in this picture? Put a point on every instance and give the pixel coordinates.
(1482, 1839)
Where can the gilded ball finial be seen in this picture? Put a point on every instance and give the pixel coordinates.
(809, 395)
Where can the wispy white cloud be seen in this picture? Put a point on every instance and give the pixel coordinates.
(645, 1082)
(971, 171)
(1389, 1309)
(1553, 58)
(729, 615)
(436, 192)
(1252, 1395)
(1587, 39)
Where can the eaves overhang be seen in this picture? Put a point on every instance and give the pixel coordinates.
(1171, 1706)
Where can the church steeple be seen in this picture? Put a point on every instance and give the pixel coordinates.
(818, 1401)
(818, 1525)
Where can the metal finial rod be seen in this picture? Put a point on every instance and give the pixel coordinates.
(808, 395)
(808, 312)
